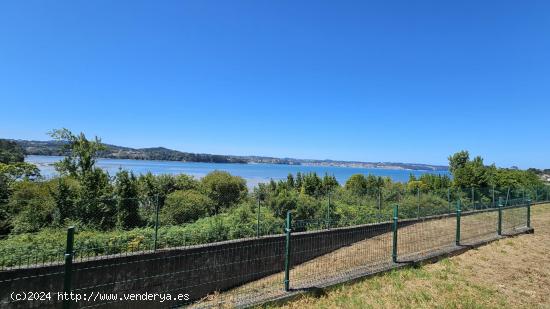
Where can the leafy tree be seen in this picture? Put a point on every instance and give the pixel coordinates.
(298, 182)
(148, 187)
(224, 189)
(357, 184)
(415, 185)
(64, 193)
(261, 192)
(458, 160)
(434, 182)
(4, 188)
(126, 190)
(95, 200)
(19, 170)
(5, 219)
(329, 183)
(290, 181)
(186, 206)
(81, 152)
(307, 208)
(374, 185)
(11, 152)
(30, 206)
(312, 185)
(284, 201)
(186, 182)
(166, 184)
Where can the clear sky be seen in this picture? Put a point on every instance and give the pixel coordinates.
(408, 81)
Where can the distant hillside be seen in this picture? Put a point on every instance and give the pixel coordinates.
(54, 148)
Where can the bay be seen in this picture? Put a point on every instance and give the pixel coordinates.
(252, 173)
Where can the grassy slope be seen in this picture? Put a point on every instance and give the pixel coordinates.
(510, 273)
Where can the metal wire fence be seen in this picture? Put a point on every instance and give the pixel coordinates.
(212, 269)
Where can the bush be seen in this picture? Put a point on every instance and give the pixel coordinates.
(185, 206)
(225, 190)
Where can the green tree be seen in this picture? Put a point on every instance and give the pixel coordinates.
(30, 206)
(11, 152)
(186, 206)
(458, 160)
(64, 193)
(186, 182)
(96, 206)
(298, 182)
(357, 184)
(224, 189)
(312, 185)
(290, 181)
(81, 152)
(329, 184)
(126, 190)
(284, 201)
(19, 170)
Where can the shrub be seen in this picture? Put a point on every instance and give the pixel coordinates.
(225, 190)
(185, 206)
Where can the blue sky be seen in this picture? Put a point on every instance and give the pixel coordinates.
(409, 81)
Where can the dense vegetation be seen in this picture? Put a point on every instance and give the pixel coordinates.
(115, 213)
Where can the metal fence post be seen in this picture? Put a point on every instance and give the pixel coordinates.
(394, 228)
(258, 219)
(69, 250)
(458, 213)
(499, 227)
(157, 206)
(528, 213)
(288, 231)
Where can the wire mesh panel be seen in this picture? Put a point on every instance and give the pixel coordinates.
(322, 257)
(425, 237)
(514, 219)
(17, 292)
(188, 274)
(23, 261)
(478, 226)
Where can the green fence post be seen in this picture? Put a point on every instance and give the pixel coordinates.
(69, 250)
(258, 219)
(528, 213)
(499, 228)
(157, 206)
(394, 228)
(288, 231)
(458, 213)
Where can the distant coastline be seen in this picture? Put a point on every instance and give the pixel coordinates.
(55, 148)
